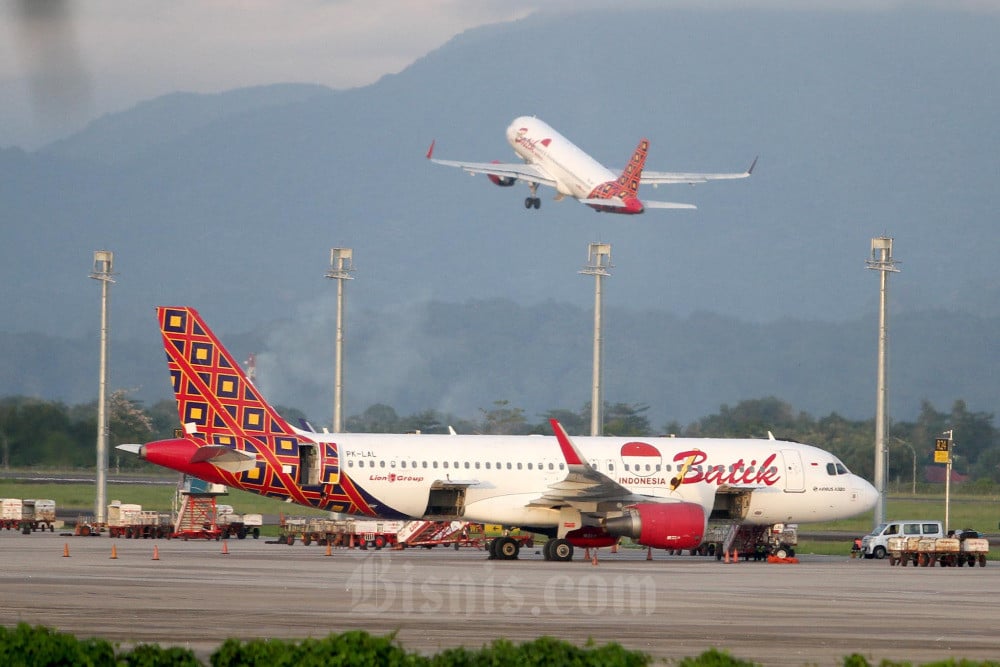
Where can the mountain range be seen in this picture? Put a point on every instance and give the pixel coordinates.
(867, 123)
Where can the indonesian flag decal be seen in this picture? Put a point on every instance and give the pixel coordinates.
(641, 458)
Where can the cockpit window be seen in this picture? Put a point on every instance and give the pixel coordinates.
(836, 468)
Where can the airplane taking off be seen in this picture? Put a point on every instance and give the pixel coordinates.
(552, 159)
(658, 491)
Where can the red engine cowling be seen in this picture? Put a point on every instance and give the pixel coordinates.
(590, 537)
(502, 181)
(661, 525)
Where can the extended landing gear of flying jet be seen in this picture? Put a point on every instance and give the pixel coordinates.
(560, 550)
(533, 201)
(504, 548)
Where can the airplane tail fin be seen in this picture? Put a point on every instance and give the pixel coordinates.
(216, 402)
(632, 174)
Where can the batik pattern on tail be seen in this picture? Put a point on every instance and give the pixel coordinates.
(218, 405)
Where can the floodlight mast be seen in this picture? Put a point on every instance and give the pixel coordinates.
(103, 271)
(881, 260)
(341, 267)
(599, 264)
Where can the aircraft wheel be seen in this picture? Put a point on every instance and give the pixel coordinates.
(561, 550)
(547, 549)
(507, 548)
(537, 202)
(528, 202)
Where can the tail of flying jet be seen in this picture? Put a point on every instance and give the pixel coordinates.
(231, 435)
(632, 173)
(622, 195)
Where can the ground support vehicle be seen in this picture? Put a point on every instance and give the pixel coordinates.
(749, 542)
(429, 534)
(876, 543)
(130, 521)
(363, 533)
(196, 517)
(945, 551)
(237, 525)
(87, 526)
(27, 516)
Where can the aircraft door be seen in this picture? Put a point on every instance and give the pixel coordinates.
(793, 473)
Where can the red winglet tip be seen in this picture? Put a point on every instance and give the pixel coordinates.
(568, 450)
(430, 151)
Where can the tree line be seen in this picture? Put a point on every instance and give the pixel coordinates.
(49, 434)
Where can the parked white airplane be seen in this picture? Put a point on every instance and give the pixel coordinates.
(658, 491)
(552, 159)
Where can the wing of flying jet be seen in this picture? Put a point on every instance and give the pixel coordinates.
(670, 177)
(524, 172)
(519, 170)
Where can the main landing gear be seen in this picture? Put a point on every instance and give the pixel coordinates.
(504, 548)
(560, 550)
(533, 201)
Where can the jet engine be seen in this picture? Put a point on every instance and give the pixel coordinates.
(661, 525)
(502, 181)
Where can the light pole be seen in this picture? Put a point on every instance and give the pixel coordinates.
(599, 255)
(103, 271)
(341, 266)
(881, 260)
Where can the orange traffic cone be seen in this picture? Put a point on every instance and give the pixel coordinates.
(725, 556)
(156, 552)
(225, 547)
(329, 548)
(594, 561)
(586, 553)
(736, 555)
(114, 552)
(66, 550)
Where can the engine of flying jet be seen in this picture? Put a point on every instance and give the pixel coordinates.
(678, 525)
(502, 181)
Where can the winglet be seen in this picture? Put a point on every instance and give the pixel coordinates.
(749, 171)
(569, 450)
(430, 151)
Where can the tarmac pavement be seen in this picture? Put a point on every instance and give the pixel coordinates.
(814, 612)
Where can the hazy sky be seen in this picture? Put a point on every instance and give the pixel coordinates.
(66, 62)
(62, 63)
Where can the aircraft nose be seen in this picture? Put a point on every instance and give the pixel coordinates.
(867, 495)
(511, 132)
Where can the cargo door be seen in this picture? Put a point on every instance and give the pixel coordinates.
(792, 472)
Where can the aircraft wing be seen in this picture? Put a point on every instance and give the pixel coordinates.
(671, 177)
(583, 485)
(521, 171)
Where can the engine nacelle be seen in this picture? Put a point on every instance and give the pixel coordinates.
(661, 525)
(502, 181)
(591, 537)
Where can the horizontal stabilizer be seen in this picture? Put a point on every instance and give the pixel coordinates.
(610, 202)
(224, 457)
(666, 204)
